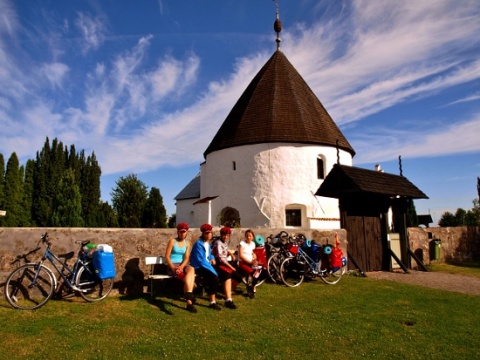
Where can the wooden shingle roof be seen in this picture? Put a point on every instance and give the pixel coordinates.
(344, 180)
(278, 106)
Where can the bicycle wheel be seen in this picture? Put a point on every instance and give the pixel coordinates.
(273, 267)
(91, 287)
(328, 275)
(292, 272)
(29, 287)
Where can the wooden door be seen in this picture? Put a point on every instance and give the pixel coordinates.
(364, 235)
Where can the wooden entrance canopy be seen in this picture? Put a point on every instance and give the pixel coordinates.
(364, 199)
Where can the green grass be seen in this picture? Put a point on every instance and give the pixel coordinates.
(465, 268)
(359, 318)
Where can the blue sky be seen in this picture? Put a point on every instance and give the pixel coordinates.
(146, 84)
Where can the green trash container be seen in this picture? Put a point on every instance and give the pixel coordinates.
(435, 249)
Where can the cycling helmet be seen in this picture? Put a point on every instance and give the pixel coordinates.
(259, 240)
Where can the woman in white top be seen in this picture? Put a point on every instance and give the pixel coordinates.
(247, 260)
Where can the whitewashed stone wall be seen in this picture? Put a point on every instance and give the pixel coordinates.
(261, 181)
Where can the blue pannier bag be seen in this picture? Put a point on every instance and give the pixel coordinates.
(104, 264)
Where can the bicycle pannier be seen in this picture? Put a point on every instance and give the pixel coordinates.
(104, 264)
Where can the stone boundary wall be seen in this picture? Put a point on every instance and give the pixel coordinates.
(130, 246)
(456, 243)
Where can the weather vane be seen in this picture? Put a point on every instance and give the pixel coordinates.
(277, 26)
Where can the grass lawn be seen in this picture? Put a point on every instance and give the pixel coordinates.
(359, 318)
(465, 268)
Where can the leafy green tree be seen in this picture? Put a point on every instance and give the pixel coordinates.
(13, 192)
(154, 213)
(106, 216)
(461, 217)
(68, 204)
(172, 221)
(128, 199)
(447, 220)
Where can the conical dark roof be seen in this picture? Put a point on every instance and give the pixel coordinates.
(278, 106)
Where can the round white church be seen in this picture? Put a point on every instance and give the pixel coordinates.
(269, 157)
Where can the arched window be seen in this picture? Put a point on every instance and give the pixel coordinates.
(230, 217)
(320, 167)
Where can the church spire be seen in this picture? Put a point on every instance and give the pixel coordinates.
(277, 26)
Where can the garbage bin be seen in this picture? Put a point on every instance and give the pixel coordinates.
(435, 248)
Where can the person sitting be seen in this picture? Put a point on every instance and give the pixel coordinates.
(203, 261)
(225, 269)
(177, 256)
(248, 263)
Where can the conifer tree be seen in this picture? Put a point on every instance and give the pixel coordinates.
(68, 206)
(12, 192)
(154, 214)
(128, 199)
(2, 184)
(90, 189)
(106, 216)
(2, 178)
(28, 191)
(42, 206)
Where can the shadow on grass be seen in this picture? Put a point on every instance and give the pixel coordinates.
(166, 295)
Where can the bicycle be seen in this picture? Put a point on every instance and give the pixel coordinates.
(31, 286)
(294, 269)
(278, 249)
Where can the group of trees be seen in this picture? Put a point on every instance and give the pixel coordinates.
(462, 217)
(61, 188)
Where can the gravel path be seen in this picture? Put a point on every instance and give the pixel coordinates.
(436, 280)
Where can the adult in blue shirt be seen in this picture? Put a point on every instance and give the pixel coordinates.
(202, 260)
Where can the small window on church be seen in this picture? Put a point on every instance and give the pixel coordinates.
(293, 217)
(320, 168)
(234, 165)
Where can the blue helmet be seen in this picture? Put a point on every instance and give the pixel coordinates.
(259, 240)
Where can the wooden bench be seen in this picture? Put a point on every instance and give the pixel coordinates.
(154, 262)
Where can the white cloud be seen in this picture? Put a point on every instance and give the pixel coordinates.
(473, 97)
(92, 30)
(385, 53)
(55, 73)
(386, 144)
(388, 60)
(390, 51)
(8, 18)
